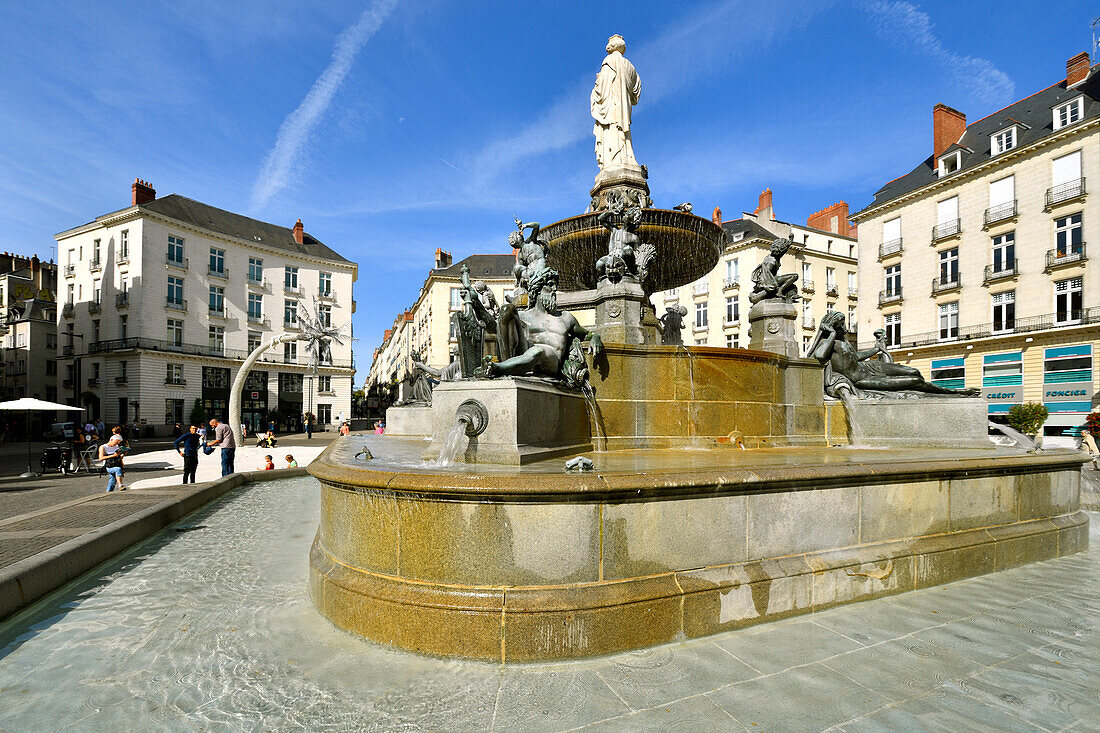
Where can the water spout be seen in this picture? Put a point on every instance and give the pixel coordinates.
(454, 444)
(1019, 438)
(597, 417)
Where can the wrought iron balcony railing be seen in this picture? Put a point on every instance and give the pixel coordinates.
(946, 229)
(892, 247)
(1065, 192)
(1063, 256)
(1000, 212)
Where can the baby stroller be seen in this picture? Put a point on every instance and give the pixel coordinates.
(58, 457)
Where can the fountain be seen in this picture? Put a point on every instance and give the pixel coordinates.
(489, 546)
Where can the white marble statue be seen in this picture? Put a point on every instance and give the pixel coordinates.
(616, 91)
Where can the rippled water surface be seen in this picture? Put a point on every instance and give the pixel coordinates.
(212, 629)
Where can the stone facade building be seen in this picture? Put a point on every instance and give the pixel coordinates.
(978, 254)
(28, 313)
(718, 305)
(165, 298)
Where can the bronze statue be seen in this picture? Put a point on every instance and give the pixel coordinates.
(768, 284)
(530, 258)
(880, 344)
(853, 373)
(670, 325)
(627, 255)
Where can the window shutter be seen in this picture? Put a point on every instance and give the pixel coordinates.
(1002, 191)
(891, 230)
(948, 210)
(1066, 169)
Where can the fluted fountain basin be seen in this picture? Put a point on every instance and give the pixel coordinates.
(688, 248)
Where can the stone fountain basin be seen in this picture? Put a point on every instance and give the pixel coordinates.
(531, 563)
(688, 248)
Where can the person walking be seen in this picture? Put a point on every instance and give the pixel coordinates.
(111, 455)
(188, 447)
(223, 437)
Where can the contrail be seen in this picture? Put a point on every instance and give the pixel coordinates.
(298, 125)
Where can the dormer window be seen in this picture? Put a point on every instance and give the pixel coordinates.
(1068, 113)
(1002, 141)
(950, 163)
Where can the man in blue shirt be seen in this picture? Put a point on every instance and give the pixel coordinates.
(188, 447)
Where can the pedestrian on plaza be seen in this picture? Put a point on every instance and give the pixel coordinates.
(188, 447)
(268, 464)
(244, 430)
(223, 437)
(100, 427)
(110, 453)
(377, 427)
(290, 462)
(345, 429)
(309, 426)
(177, 431)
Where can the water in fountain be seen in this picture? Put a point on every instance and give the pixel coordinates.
(856, 434)
(597, 418)
(454, 445)
(692, 406)
(1021, 440)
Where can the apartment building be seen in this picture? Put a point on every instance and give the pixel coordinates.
(165, 298)
(825, 261)
(979, 253)
(28, 312)
(426, 328)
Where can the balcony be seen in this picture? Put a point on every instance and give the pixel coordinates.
(808, 285)
(947, 229)
(892, 247)
(1062, 257)
(123, 258)
(326, 294)
(1048, 321)
(67, 310)
(66, 384)
(296, 290)
(94, 381)
(176, 304)
(95, 265)
(1000, 212)
(70, 270)
(945, 284)
(293, 325)
(808, 323)
(886, 297)
(700, 288)
(95, 306)
(993, 273)
(120, 380)
(180, 263)
(831, 290)
(217, 311)
(672, 294)
(259, 321)
(68, 350)
(731, 283)
(222, 272)
(122, 300)
(853, 293)
(1064, 192)
(731, 322)
(264, 285)
(172, 382)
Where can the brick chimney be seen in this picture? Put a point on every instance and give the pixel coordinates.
(832, 219)
(948, 125)
(442, 259)
(716, 217)
(1077, 68)
(141, 193)
(764, 205)
(299, 232)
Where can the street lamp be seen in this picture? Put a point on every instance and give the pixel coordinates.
(309, 410)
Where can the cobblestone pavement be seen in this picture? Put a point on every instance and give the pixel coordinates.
(210, 626)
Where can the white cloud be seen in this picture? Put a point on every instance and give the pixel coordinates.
(904, 23)
(296, 128)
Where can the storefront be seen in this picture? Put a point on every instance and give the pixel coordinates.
(215, 393)
(254, 402)
(1067, 388)
(290, 401)
(1002, 383)
(949, 373)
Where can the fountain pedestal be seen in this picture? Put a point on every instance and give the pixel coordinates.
(628, 184)
(529, 419)
(772, 328)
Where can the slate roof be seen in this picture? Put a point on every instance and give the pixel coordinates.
(481, 266)
(1035, 116)
(748, 227)
(221, 221)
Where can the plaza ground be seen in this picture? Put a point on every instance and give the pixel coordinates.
(209, 624)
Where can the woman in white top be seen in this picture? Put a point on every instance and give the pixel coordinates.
(111, 455)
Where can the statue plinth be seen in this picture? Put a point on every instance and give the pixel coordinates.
(629, 185)
(772, 328)
(623, 314)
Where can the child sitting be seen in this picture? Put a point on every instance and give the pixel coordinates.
(290, 462)
(269, 465)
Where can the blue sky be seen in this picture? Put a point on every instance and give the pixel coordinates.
(394, 127)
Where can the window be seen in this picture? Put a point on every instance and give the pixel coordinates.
(949, 320)
(255, 270)
(806, 278)
(122, 370)
(456, 299)
(1067, 235)
(175, 249)
(124, 284)
(95, 251)
(949, 266)
(1002, 377)
(949, 373)
(95, 331)
(324, 284)
(215, 378)
(217, 339)
(1069, 113)
(70, 294)
(174, 374)
(254, 339)
(806, 341)
(97, 292)
(701, 314)
(124, 244)
(1066, 169)
(947, 218)
(1004, 311)
(950, 163)
(51, 341)
(892, 324)
(891, 231)
(893, 280)
(1067, 300)
(732, 341)
(290, 277)
(701, 342)
(1004, 252)
(852, 287)
(255, 306)
(1002, 141)
(290, 352)
(217, 261)
(175, 332)
(1067, 383)
(851, 318)
(173, 411)
(290, 382)
(217, 299)
(324, 413)
(175, 290)
(325, 314)
(733, 314)
(122, 324)
(290, 312)
(830, 278)
(51, 368)
(324, 383)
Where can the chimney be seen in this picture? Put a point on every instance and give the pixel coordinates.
(1077, 68)
(442, 259)
(764, 206)
(948, 125)
(299, 232)
(141, 193)
(832, 219)
(716, 217)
